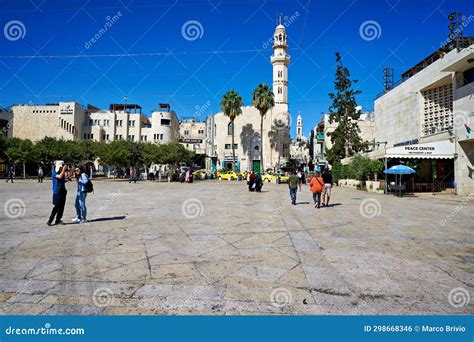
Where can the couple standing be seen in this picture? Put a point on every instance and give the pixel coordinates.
(321, 185)
(59, 177)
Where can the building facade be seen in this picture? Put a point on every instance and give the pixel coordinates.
(192, 135)
(248, 142)
(6, 123)
(427, 120)
(70, 121)
(299, 149)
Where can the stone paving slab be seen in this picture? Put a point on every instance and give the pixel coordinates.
(212, 247)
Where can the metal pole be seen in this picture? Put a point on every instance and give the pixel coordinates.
(385, 165)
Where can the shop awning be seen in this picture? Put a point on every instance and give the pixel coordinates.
(433, 150)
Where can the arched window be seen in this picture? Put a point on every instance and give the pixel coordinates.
(230, 128)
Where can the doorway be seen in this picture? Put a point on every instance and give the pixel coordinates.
(256, 166)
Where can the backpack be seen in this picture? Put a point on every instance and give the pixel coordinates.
(88, 187)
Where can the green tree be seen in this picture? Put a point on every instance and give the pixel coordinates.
(230, 105)
(116, 154)
(21, 151)
(345, 138)
(263, 100)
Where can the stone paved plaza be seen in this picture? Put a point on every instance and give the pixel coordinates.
(212, 247)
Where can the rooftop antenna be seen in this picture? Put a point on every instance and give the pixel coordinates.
(456, 28)
(387, 79)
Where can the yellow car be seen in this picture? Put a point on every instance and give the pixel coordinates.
(272, 177)
(201, 174)
(229, 175)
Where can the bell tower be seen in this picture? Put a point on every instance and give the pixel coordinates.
(280, 60)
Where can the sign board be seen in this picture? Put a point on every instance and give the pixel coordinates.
(190, 141)
(66, 109)
(433, 150)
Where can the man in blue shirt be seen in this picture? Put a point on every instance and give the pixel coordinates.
(58, 177)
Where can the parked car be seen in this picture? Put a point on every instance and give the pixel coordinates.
(229, 175)
(202, 174)
(274, 177)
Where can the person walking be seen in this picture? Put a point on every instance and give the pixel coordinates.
(58, 177)
(40, 175)
(293, 184)
(11, 174)
(133, 175)
(80, 204)
(316, 186)
(258, 182)
(251, 181)
(327, 178)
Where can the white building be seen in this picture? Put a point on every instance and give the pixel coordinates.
(192, 135)
(70, 121)
(276, 137)
(426, 118)
(299, 149)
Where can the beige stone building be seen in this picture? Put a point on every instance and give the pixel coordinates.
(192, 135)
(70, 121)
(248, 142)
(299, 149)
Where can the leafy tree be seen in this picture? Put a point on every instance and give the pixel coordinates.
(230, 105)
(173, 154)
(263, 100)
(115, 154)
(345, 138)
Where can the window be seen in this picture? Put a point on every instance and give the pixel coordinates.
(105, 137)
(280, 74)
(91, 122)
(165, 122)
(118, 137)
(161, 136)
(228, 146)
(131, 138)
(468, 76)
(230, 128)
(201, 131)
(186, 132)
(131, 123)
(143, 138)
(106, 122)
(280, 90)
(119, 123)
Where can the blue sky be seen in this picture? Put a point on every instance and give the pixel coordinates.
(230, 51)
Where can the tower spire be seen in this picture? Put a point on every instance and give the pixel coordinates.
(279, 18)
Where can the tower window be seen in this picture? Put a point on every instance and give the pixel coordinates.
(279, 90)
(280, 73)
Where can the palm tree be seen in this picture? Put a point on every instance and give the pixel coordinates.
(230, 105)
(263, 100)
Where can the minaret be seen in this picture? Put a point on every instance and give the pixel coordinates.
(299, 128)
(280, 61)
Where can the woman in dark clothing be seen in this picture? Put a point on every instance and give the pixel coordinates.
(251, 181)
(258, 183)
